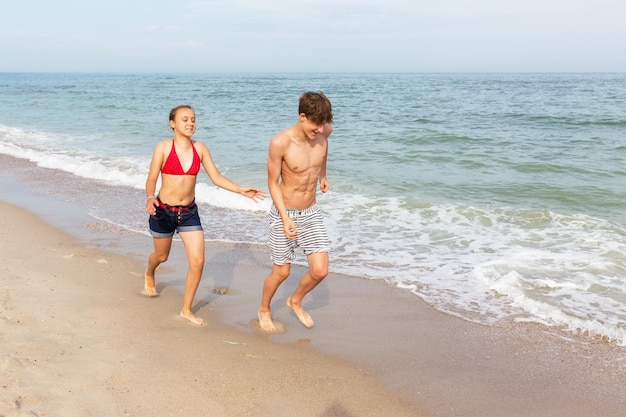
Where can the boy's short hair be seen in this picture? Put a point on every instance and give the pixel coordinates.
(316, 107)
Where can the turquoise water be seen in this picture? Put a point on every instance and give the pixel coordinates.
(488, 195)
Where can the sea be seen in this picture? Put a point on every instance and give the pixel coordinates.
(490, 196)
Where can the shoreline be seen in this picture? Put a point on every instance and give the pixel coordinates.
(74, 316)
(79, 338)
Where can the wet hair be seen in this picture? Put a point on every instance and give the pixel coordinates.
(175, 110)
(316, 107)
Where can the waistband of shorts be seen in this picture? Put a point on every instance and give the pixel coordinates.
(176, 209)
(304, 212)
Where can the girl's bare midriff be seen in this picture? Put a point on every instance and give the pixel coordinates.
(177, 190)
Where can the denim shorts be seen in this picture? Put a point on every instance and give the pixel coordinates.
(165, 222)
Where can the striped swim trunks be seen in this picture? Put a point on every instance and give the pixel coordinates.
(312, 236)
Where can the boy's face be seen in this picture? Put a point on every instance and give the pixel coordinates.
(311, 129)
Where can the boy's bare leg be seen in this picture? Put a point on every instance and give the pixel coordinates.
(318, 270)
(272, 282)
(302, 315)
(265, 321)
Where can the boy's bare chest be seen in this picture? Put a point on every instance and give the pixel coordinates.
(300, 159)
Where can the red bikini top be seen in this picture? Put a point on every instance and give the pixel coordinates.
(172, 165)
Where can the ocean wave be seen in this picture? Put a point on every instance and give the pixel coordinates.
(120, 171)
(486, 264)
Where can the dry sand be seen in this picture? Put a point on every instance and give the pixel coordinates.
(77, 338)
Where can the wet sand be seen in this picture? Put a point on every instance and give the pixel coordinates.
(80, 339)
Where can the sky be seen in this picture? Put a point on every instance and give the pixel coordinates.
(313, 36)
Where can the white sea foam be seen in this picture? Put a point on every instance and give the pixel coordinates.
(125, 171)
(485, 265)
(218, 197)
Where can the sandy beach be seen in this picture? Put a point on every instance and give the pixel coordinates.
(79, 339)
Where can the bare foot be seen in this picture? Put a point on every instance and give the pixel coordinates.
(302, 315)
(192, 318)
(265, 322)
(149, 287)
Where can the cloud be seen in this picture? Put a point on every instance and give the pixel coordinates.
(20, 33)
(188, 44)
(160, 28)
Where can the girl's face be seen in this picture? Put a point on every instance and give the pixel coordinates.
(184, 122)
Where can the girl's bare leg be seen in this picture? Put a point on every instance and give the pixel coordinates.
(161, 252)
(194, 249)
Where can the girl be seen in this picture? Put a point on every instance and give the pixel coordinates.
(178, 162)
